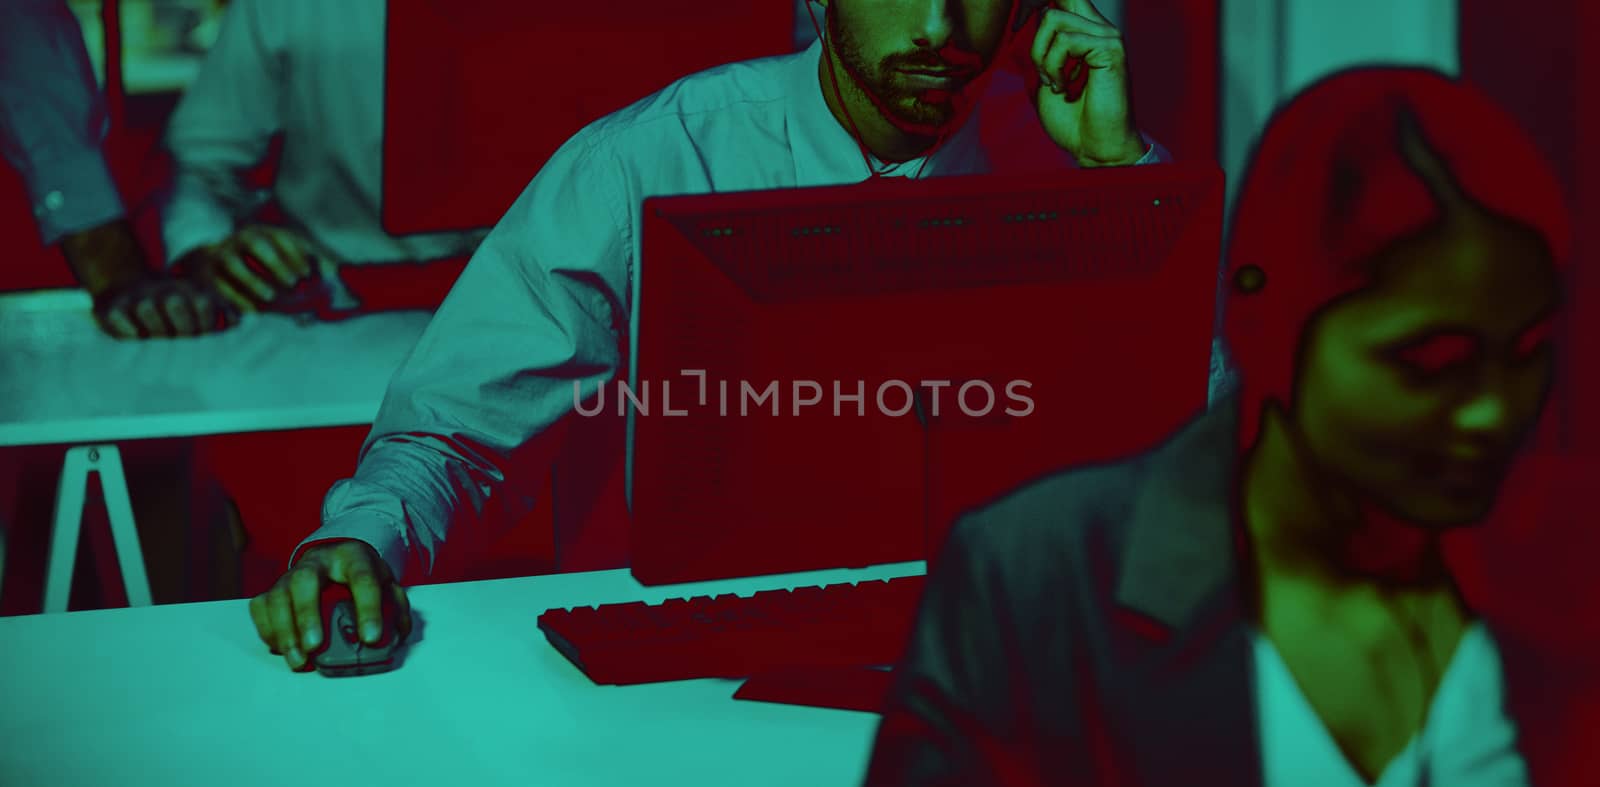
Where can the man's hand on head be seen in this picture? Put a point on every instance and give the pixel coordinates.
(1083, 98)
(252, 267)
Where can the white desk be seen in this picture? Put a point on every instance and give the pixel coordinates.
(62, 381)
(181, 695)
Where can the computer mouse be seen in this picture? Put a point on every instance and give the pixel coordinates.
(343, 654)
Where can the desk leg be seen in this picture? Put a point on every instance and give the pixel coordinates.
(2, 553)
(11, 468)
(119, 509)
(70, 493)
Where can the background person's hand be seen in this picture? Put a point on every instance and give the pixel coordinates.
(160, 306)
(130, 299)
(288, 616)
(252, 267)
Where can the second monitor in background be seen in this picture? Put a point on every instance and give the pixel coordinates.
(827, 377)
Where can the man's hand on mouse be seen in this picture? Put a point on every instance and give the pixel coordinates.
(288, 616)
(252, 267)
(1088, 110)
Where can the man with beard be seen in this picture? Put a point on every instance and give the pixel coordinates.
(906, 88)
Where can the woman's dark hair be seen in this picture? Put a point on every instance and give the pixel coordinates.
(1356, 163)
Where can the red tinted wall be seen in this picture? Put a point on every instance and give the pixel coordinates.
(1175, 62)
(1539, 86)
(27, 264)
(1540, 568)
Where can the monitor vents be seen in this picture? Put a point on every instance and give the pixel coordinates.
(886, 247)
(827, 229)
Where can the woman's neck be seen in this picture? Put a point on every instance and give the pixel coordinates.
(1306, 524)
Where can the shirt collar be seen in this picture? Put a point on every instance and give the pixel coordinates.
(825, 154)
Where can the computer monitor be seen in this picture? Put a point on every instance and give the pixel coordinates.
(1082, 301)
(478, 95)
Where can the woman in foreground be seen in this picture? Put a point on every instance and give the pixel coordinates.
(1263, 600)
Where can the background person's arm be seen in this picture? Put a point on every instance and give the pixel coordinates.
(52, 126)
(223, 127)
(53, 120)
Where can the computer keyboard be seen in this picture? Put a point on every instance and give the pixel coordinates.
(728, 636)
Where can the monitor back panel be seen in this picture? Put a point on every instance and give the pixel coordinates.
(1075, 310)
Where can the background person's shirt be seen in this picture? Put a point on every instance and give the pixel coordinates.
(53, 118)
(545, 301)
(312, 71)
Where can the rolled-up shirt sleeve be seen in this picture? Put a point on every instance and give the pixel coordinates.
(472, 419)
(223, 127)
(1155, 154)
(53, 118)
